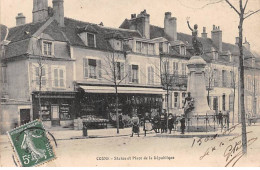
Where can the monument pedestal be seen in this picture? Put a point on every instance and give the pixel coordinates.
(201, 117)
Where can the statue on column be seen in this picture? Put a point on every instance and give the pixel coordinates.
(197, 46)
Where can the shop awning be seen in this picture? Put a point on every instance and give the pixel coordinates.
(127, 90)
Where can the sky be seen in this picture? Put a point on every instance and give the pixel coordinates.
(113, 12)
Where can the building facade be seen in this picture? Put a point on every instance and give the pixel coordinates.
(57, 69)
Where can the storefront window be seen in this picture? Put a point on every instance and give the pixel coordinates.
(65, 112)
(46, 112)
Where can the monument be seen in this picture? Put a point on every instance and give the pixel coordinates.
(201, 117)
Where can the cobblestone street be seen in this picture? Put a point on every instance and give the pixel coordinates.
(104, 149)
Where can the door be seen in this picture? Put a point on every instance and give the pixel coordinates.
(55, 115)
(24, 116)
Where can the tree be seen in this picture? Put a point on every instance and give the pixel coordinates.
(233, 85)
(39, 69)
(114, 69)
(166, 79)
(40, 73)
(241, 11)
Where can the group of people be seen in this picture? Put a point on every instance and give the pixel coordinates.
(157, 123)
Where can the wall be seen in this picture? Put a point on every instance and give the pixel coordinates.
(141, 60)
(49, 74)
(17, 80)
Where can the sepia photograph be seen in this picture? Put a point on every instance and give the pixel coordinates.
(130, 83)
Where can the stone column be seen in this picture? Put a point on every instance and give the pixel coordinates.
(197, 87)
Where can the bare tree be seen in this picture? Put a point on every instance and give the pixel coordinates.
(114, 67)
(233, 85)
(40, 80)
(166, 80)
(242, 14)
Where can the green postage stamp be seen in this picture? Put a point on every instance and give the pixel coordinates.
(31, 145)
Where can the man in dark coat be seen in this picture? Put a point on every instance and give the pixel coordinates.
(171, 122)
(182, 120)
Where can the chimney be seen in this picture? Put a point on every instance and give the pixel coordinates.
(204, 34)
(216, 36)
(40, 10)
(142, 24)
(133, 16)
(20, 19)
(58, 11)
(170, 26)
(237, 40)
(246, 45)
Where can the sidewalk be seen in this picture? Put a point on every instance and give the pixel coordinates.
(111, 132)
(92, 133)
(69, 134)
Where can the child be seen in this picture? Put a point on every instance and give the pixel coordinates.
(135, 125)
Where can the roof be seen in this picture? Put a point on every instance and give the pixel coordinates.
(3, 32)
(17, 48)
(23, 32)
(74, 27)
(20, 36)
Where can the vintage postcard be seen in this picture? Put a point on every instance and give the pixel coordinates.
(134, 83)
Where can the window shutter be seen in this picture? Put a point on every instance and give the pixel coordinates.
(85, 67)
(122, 71)
(130, 73)
(37, 78)
(149, 74)
(56, 81)
(99, 68)
(229, 79)
(61, 78)
(152, 75)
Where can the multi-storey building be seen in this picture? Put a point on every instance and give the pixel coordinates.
(58, 69)
(221, 72)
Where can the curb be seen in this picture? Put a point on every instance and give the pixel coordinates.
(193, 135)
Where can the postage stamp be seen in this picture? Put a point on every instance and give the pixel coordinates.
(31, 145)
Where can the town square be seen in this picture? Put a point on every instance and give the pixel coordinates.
(93, 83)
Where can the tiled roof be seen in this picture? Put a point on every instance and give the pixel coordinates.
(23, 32)
(207, 43)
(17, 48)
(71, 32)
(3, 31)
(20, 35)
(55, 31)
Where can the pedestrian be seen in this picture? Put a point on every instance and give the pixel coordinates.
(220, 119)
(147, 123)
(163, 121)
(182, 120)
(171, 122)
(135, 125)
(156, 123)
(121, 123)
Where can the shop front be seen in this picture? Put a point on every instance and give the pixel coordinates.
(99, 101)
(54, 108)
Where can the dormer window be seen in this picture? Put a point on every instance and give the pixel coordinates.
(182, 50)
(145, 48)
(47, 48)
(89, 39)
(214, 54)
(163, 47)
